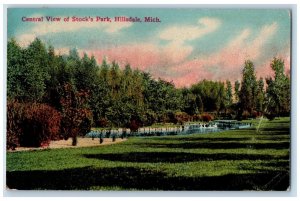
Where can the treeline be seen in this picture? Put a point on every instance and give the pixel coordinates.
(80, 94)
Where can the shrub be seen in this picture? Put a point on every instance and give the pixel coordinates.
(134, 125)
(197, 117)
(172, 117)
(206, 117)
(13, 124)
(31, 125)
(150, 118)
(245, 115)
(40, 125)
(255, 114)
(103, 122)
(182, 117)
(270, 116)
(86, 125)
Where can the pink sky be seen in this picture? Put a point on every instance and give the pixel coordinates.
(172, 62)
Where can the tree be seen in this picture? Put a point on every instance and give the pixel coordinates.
(278, 89)
(228, 96)
(190, 103)
(27, 71)
(260, 96)
(74, 113)
(199, 104)
(248, 92)
(237, 85)
(15, 70)
(86, 73)
(212, 94)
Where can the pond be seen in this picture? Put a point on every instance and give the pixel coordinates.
(186, 129)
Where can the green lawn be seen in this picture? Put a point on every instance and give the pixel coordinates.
(232, 160)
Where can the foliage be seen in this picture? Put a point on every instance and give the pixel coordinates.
(212, 95)
(76, 117)
(31, 125)
(13, 124)
(115, 96)
(248, 92)
(228, 95)
(237, 86)
(27, 71)
(206, 117)
(278, 89)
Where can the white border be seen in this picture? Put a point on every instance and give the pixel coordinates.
(209, 4)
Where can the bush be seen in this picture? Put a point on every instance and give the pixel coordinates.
(31, 125)
(197, 117)
(13, 124)
(182, 117)
(134, 125)
(40, 125)
(245, 115)
(255, 114)
(206, 117)
(150, 118)
(270, 116)
(103, 122)
(86, 125)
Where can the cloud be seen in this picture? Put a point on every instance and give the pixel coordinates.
(145, 56)
(228, 62)
(45, 27)
(170, 61)
(62, 51)
(180, 34)
(25, 39)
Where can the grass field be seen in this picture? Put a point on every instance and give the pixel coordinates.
(232, 160)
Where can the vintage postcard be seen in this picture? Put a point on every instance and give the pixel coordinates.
(135, 99)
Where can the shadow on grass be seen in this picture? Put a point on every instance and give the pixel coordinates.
(273, 138)
(140, 179)
(219, 145)
(198, 139)
(177, 157)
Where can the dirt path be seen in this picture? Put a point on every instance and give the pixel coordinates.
(82, 142)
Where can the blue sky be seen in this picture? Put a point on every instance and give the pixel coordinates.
(186, 46)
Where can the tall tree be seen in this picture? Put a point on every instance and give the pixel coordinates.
(15, 70)
(36, 71)
(237, 86)
(278, 89)
(212, 94)
(76, 116)
(228, 95)
(248, 92)
(260, 96)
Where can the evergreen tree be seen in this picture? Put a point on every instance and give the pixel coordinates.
(278, 89)
(228, 96)
(248, 92)
(237, 85)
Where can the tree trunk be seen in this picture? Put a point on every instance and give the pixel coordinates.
(74, 140)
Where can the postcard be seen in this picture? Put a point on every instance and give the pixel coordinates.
(139, 99)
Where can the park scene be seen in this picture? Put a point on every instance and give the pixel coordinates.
(105, 107)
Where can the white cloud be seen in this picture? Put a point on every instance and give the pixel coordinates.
(45, 27)
(61, 51)
(25, 39)
(179, 34)
(227, 63)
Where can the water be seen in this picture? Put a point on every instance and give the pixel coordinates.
(186, 129)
